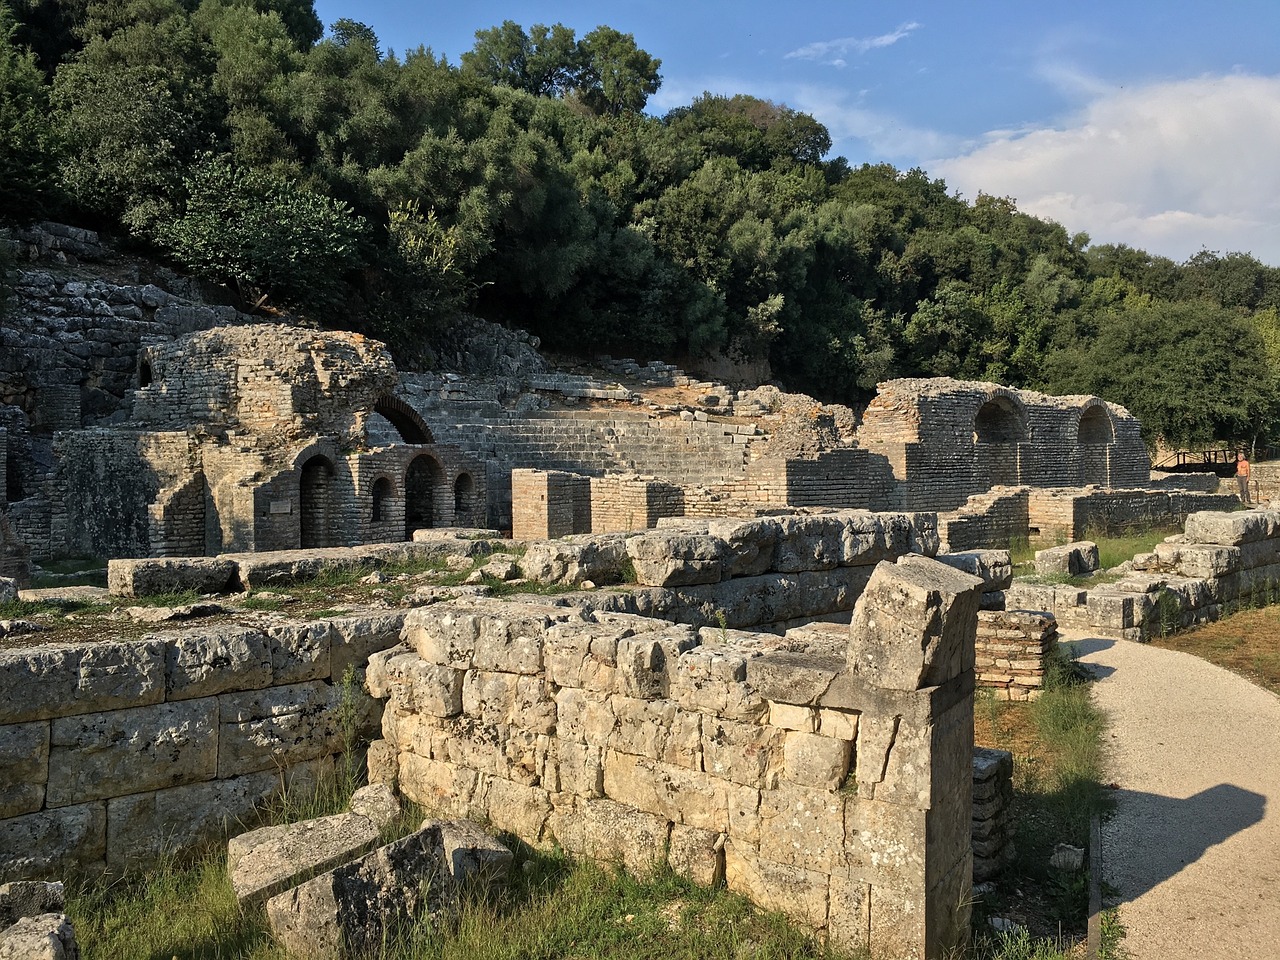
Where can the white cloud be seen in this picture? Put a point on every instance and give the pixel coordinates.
(1170, 167)
(833, 52)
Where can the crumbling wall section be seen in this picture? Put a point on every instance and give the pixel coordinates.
(834, 786)
(1011, 650)
(1065, 515)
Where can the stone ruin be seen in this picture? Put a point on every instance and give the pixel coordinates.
(700, 717)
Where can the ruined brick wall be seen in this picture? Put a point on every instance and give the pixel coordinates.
(1010, 652)
(831, 784)
(632, 503)
(988, 520)
(177, 519)
(1067, 515)
(549, 504)
(114, 753)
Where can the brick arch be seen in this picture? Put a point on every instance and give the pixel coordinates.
(1001, 419)
(408, 423)
(425, 489)
(1095, 425)
(382, 489)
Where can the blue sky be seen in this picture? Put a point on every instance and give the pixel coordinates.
(1152, 124)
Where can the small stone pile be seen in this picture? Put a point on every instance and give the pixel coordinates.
(993, 826)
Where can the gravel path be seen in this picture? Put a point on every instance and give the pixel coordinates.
(1194, 845)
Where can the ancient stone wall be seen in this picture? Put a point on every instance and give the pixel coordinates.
(113, 752)
(833, 784)
(1011, 650)
(1066, 515)
(987, 520)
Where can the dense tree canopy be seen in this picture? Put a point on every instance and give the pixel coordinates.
(335, 178)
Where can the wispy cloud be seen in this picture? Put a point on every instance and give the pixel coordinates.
(833, 52)
(1170, 167)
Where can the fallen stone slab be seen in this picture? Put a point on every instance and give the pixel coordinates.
(351, 909)
(270, 860)
(187, 611)
(993, 567)
(151, 575)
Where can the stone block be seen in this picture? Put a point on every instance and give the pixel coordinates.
(1071, 559)
(803, 828)
(914, 625)
(614, 833)
(24, 767)
(695, 854)
(676, 559)
(1113, 610)
(300, 652)
(993, 567)
(515, 807)
(437, 785)
(48, 936)
(849, 914)
(511, 641)
(152, 575)
(1232, 529)
(267, 729)
(446, 636)
(811, 543)
(470, 854)
(383, 763)
(213, 660)
(749, 545)
(100, 755)
(39, 683)
(51, 843)
(8, 589)
(570, 560)
(354, 639)
(816, 761)
(270, 860)
(799, 893)
(1198, 560)
(745, 753)
(144, 826)
(785, 716)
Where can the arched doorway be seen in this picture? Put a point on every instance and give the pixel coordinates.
(1095, 435)
(381, 493)
(998, 428)
(421, 483)
(464, 495)
(315, 512)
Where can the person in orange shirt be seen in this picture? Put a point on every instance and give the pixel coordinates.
(1242, 477)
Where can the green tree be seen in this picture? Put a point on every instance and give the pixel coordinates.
(545, 62)
(27, 146)
(617, 76)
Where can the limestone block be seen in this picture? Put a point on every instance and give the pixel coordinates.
(512, 642)
(101, 755)
(675, 559)
(1031, 596)
(300, 652)
(679, 795)
(45, 937)
(583, 716)
(570, 560)
(152, 575)
(384, 673)
(445, 635)
(657, 729)
(270, 860)
(1232, 529)
(266, 729)
(351, 909)
(437, 784)
(720, 698)
(799, 893)
(849, 914)
(144, 826)
(815, 761)
(8, 590)
(745, 753)
(841, 724)
(213, 660)
(29, 898)
(791, 678)
(355, 638)
(52, 681)
(914, 625)
(992, 567)
(24, 767)
(885, 843)
(1198, 560)
(695, 854)
(802, 828)
(422, 687)
(615, 833)
(383, 763)
(579, 769)
(1070, 559)
(52, 842)
(565, 650)
(1111, 609)
(785, 716)
(377, 802)
(809, 543)
(749, 545)
(515, 807)
(470, 854)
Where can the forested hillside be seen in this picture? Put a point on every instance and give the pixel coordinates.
(318, 172)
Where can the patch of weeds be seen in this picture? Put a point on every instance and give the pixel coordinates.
(27, 609)
(172, 598)
(262, 604)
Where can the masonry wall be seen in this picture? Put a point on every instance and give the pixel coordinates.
(841, 797)
(1010, 652)
(114, 752)
(988, 520)
(1066, 515)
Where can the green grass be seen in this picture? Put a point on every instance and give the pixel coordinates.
(1113, 550)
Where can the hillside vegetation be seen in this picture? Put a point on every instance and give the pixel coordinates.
(320, 173)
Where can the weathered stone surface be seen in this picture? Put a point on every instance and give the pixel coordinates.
(351, 908)
(270, 860)
(8, 590)
(913, 627)
(29, 898)
(749, 545)
(264, 729)
(1232, 529)
(46, 937)
(613, 832)
(214, 660)
(53, 681)
(152, 575)
(24, 767)
(570, 560)
(1070, 559)
(50, 843)
(816, 761)
(377, 803)
(144, 826)
(355, 638)
(815, 543)
(675, 559)
(992, 567)
(470, 853)
(145, 748)
(796, 892)
(186, 611)
(300, 652)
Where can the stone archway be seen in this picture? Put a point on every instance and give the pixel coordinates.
(382, 492)
(998, 428)
(1095, 435)
(422, 487)
(316, 513)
